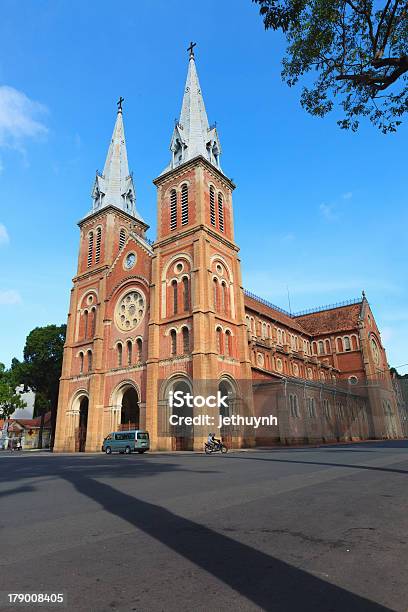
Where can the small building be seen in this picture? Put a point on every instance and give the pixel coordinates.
(32, 433)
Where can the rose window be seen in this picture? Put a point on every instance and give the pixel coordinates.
(129, 311)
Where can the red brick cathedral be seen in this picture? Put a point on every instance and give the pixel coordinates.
(146, 319)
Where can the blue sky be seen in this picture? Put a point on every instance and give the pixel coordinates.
(317, 209)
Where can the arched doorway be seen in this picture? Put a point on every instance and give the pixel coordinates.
(130, 411)
(182, 435)
(228, 390)
(83, 424)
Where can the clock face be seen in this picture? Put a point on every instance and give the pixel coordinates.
(130, 261)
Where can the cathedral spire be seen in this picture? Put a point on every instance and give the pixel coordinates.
(192, 135)
(114, 187)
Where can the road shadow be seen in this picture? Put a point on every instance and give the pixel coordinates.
(262, 579)
(16, 490)
(65, 467)
(248, 457)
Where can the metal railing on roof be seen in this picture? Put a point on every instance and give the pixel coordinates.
(327, 307)
(301, 312)
(266, 303)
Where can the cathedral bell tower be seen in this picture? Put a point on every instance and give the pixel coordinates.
(103, 382)
(197, 330)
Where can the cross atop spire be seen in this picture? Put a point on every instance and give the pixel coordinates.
(119, 103)
(191, 49)
(114, 187)
(192, 135)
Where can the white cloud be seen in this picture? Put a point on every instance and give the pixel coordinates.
(10, 296)
(328, 211)
(19, 118)
(287, 238)
(4, 237)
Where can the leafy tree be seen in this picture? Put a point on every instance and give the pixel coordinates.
(10, 400)
(395, 371)
(358, 50)
(41, 368)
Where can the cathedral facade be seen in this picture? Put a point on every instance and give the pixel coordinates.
(148, 318)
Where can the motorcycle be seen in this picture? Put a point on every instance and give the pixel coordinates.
(215, 448)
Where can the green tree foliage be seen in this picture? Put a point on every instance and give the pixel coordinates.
(395, 371)
(10, 400)
(357, 50)
(40, 369)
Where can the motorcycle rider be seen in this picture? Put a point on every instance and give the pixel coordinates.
(212, 440)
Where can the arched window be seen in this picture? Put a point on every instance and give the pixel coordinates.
(327, 346)
(212, 206)
(81, 363)
(184, 205)
(93, 322)
(310, 403)
(228, 343)
(294, 406)
(339, 345)
(174, 286)
(120, 355)
(375, 351)
(219, 340)
(85, 324)
(222, 296)
(90, 248)
(186, 293)
(220, 212)
(173, 209)
(89, 361)
(122, 239)
(321, 347)
(326, 408)
(139, 347)
(215, 293)
(98, 245)
(347, 345)
(186, 340)
(225, 297)
(129, 352)
(173, 342)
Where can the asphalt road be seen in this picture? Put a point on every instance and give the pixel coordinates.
(300, 529)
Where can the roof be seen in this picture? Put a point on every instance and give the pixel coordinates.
(33, 423)
(273, 312)
(343, 318)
